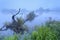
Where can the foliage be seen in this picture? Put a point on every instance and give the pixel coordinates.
(14, 37)
(54, 25)
(17, 26)
(49, 31)
(31, 16)
(42, 33)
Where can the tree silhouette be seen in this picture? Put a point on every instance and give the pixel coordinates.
(18, 25)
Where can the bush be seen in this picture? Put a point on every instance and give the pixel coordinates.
(42, 33)
(54, 25)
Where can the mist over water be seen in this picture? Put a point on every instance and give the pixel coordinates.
(41, 18)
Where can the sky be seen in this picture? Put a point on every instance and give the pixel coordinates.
(25, 4)
(29, 4)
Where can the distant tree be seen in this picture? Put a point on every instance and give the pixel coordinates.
(30, 16)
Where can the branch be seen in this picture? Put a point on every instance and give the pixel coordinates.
(13, 17)
(1, 29)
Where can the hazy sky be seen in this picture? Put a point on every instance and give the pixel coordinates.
(26, 4)
(29, 4)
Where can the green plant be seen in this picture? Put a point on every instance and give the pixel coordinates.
(43, 33)
(54, 25)
(14, 37)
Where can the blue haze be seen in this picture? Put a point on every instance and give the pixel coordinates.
(29, 5)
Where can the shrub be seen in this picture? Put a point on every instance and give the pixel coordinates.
(54, 25)
(42, 33)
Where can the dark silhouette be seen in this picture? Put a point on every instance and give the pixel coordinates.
(13, 17)
(18, 25)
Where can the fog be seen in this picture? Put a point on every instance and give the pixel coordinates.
(27, 6)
